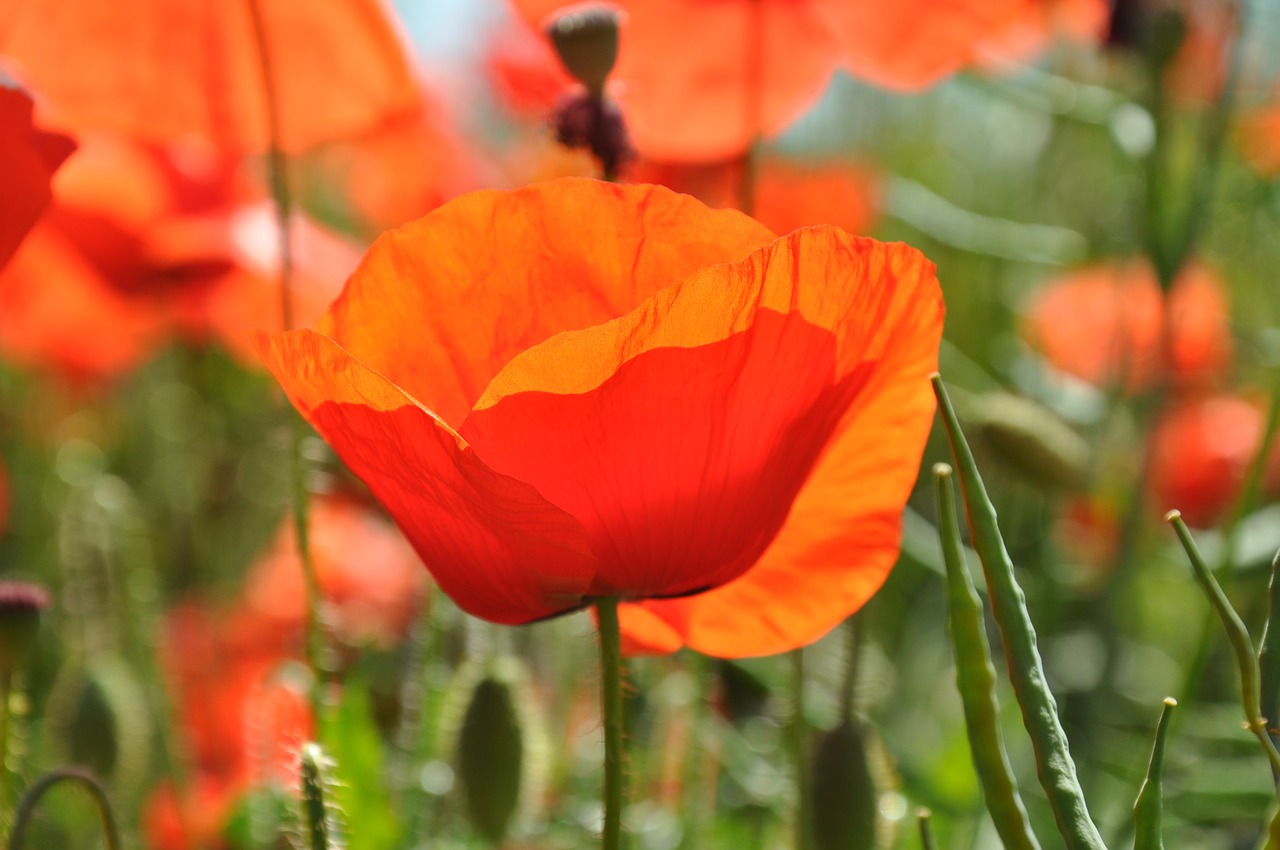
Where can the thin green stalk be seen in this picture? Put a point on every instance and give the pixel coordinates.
(297, 464)
(799, 739)
(976, 680)
(849, 684)
(1269, 660)
(1241, 645)
(70, 776)
(6, 682)
(611, 709)
(1054, 765)
(927, 841)
(695, 807)
(1148, 807)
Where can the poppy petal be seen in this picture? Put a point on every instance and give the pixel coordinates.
(842, 535)
(440, 305)
(499, 549)
(721, 393)
(30, 158)
(161, 70)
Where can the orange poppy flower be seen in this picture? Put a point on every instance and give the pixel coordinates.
(700, 80)
(579, 389)
(1105, 324)
(165, 69)
(369, 578)
(30, 156)
(788, 193)
(1260, 139)
(1201, 450)
(141, 241)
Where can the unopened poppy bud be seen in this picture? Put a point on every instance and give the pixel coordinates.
(1033, 441)
(586, 40)
(21, 605)
(582, 120)
(491, 749)
(846, 790)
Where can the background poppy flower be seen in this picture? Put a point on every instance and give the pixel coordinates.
(579, 389)
(701, 80)
(1105, 324)
(30, 156)
(143, 240)
(164, 69)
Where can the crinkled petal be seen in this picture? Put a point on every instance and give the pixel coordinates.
(499, 549)
(440, 305)
(680, 434)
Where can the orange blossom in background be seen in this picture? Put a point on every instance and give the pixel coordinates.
(578, 390)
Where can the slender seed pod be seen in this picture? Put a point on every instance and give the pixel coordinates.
(976, 680)
(1147, 808)
(1237, 636)
(1054, 765)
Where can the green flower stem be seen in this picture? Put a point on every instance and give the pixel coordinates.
(611, 707)
(1271, 838)
(976, 680)
(1241, 645)
(799, 738)
(1147, 808)
(926, 831)
(315, 809)
(70, 776)
(1269, 659)
(6, 688)
(297, 464)
(1054, 765)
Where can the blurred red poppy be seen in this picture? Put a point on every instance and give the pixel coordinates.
(580, 389)
(30, 156)
(142, 240)
(1201, 450)
(787, 193)
(1260, 139)
(700, 80)
(1105, 324)
(166, 69)
(370, 580)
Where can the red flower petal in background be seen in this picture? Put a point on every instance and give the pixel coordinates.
(644, 432)
(164, 69)
(788, 193)
(1105, 322)
(141, 241)
(370, 580)
(31, 156)
(1200, 452)
(1259, 139)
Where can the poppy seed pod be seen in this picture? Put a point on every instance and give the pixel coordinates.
(21, 606)
(586, 40)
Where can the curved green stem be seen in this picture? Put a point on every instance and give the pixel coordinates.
(611, 708)
(799, 737)
(26, 808)
(1241, 644)
(297, 464)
